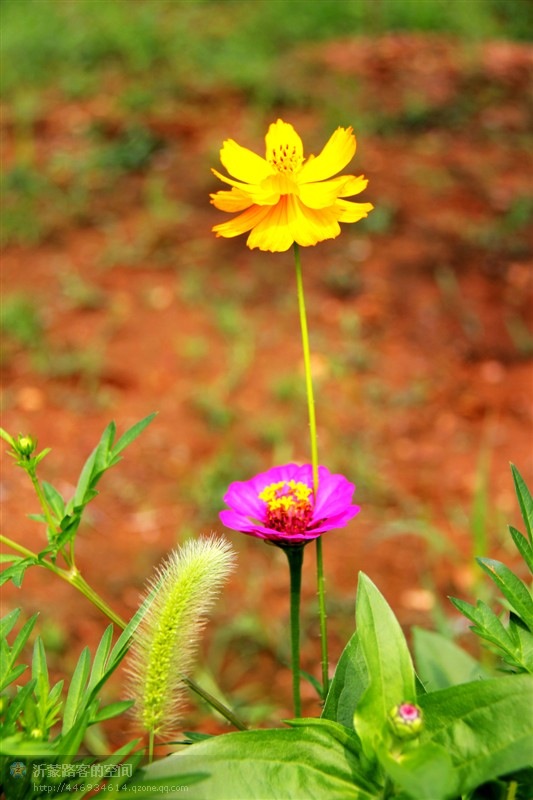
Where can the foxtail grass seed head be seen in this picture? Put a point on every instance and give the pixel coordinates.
(165, 644)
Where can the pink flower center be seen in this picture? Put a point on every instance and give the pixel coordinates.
(408, 712)
(289, 507)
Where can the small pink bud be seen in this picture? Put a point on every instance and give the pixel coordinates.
(406, 720)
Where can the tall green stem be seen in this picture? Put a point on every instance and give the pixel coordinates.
(295, 556)
(321, 589)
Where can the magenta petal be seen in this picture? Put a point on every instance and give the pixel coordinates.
(243, 498)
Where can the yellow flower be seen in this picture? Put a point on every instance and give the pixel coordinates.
(285, 198)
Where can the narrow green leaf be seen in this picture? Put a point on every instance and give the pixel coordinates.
(111, 710)
(54, 499)
(8, 622)
(511, 587)
(69, 742)
(486, 623)
(304, 763)
(523, 643)
(73, 704)
(525, 502)
(131, 434)
(22, 636)
(94, 467)
(16, 571)
(39, 671)
(441, 663)
(523, 546)
(100, 657)
(11, 676)
(349, 683)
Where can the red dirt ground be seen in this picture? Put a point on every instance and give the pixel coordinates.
(421, 328)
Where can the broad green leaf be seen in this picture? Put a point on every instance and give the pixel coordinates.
(424, 772)
(388, 662)
(345, 736)
(305, 763)
(523, 546)
(485, 727)
(441, 663)
(348, 685)
(525, 501)
(511, 587)
(163, 787)
(131, 434)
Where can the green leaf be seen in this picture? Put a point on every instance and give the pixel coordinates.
(523, 546)
(54, 499)
(305, 763)
(525, 502)
(483, 726)
(111, 710)
(16, 571)
(388, 662)
(39, 671)
(348, 685)
(131, 434)
(441, 663)
(100, 657)
(511, 587)
(486, 623)
(523, 643)
(425, 773)
(8, 622)
(74, 701)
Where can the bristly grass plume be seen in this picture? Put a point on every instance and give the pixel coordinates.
(185, 588)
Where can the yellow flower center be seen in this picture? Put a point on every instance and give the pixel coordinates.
(289, 508)
(285, 159)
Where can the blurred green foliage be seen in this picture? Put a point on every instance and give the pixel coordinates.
(183, 42)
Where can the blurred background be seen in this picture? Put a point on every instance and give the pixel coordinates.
(117, 300)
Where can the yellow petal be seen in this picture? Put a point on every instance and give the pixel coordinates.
(337, 153)
(273, 232)
(243, 164)
(243, 223)
(352, 212)
(353, 186)
(231, 201)
(310, 226)
(324, 193)
(263, 195)
(284, 147)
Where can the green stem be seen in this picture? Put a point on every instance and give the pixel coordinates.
(216, 704)
(295, 556)
(321, 588)
(307, 366)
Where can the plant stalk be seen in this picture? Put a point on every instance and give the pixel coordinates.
(295, 556)
(321, 587)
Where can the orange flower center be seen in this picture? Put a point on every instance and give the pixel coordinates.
(289, 508)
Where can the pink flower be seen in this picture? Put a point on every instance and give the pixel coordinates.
(279, 505)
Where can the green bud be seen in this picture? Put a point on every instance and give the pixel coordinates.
(25, 445)
(406, 720)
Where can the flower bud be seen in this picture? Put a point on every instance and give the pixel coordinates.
(406, 720)
(25, 445)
